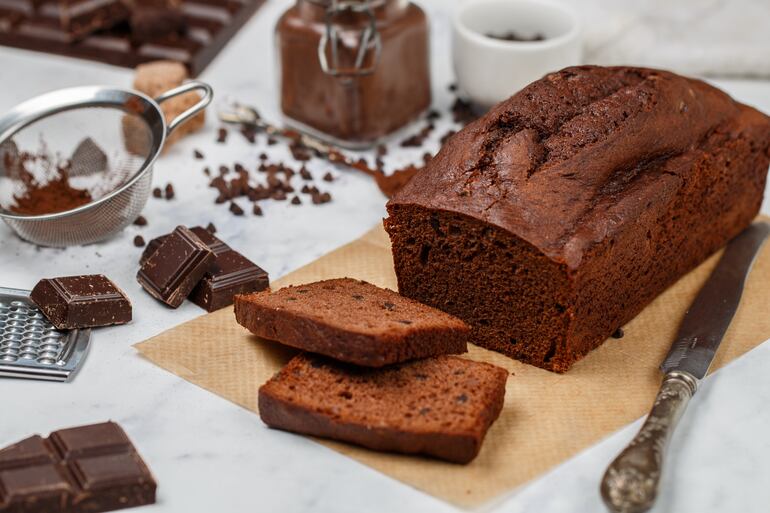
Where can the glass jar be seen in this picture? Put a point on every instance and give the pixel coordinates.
(352, 71)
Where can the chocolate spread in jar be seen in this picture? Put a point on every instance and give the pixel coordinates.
(350, 108)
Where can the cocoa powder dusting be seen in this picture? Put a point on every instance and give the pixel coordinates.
(55, 195)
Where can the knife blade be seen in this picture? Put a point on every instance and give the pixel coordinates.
(710, 314)
(630, 484)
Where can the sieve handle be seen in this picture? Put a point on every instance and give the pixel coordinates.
(193, 85)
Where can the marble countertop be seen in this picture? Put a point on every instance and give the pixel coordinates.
(211, 455)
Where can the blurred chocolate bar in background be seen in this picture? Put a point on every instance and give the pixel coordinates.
(125, 32)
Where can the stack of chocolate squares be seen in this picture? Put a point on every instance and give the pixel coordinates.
(192, 263)
(376, 371)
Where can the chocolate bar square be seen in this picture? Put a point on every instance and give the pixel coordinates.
(171, 272)
(83, 469)
(230, 274)
(82, 301)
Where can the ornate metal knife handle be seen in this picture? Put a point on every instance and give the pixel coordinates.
(630, 484)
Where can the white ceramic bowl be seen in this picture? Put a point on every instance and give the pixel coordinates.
(490, 70)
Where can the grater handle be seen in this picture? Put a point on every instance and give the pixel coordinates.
(193, 85)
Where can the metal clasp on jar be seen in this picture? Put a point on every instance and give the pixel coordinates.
(368, 41)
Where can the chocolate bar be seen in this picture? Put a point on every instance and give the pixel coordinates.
(90, 469)
(208, 26)
(231, 273)
(173, 271)
(79, 18)
(81, 301)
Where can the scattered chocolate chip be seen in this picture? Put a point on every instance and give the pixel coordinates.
(239, 168)
(157, 193)
(249, 133)
(139, 241)
(432, 115)
(462, 112)
(222, 135)
(256, 210)
(279, 195)
(296, 201)
(305, 189)
(452, 87)
(223, 170)
(207, 171)
(263, 156)
(305, 174)
(427, 157)
(299, 151)
(211, 228)
(235, 209)
(328, 177)
(271, 141)
(197, 154)
(140, 221)
(169, 191)
(618, 333)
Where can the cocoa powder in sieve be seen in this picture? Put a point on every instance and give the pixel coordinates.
(55, 195)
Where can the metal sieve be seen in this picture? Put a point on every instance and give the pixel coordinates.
(109, 139)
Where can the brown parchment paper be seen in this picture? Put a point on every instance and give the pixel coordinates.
(547, 417)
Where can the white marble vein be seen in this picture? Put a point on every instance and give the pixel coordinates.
(211, 455)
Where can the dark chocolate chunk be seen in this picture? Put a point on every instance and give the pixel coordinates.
(171, 272)
(271, 141)
(279, 195)
(139, 241)
(235, 209)
(222, 135)
(618, 333)
(105, 33)
(257, 210)
(249, 133)
(305, 174)
(81, 18)
(197, 154)
(87, 159)
(81, 301)
(157, 193)
(328, 177)
(150, 23)
(211, 228)
(169, 191)
(263, 156)
(296, 201)
(91, 469)
(140, 221)
(230, 274)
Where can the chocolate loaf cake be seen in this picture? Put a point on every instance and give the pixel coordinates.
(555, 218)
(352, 321)
(439, 406)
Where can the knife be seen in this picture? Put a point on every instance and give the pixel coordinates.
(630, 483)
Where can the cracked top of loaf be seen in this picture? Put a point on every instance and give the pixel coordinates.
(573, 157)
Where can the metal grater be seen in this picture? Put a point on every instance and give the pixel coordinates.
(31, 347)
